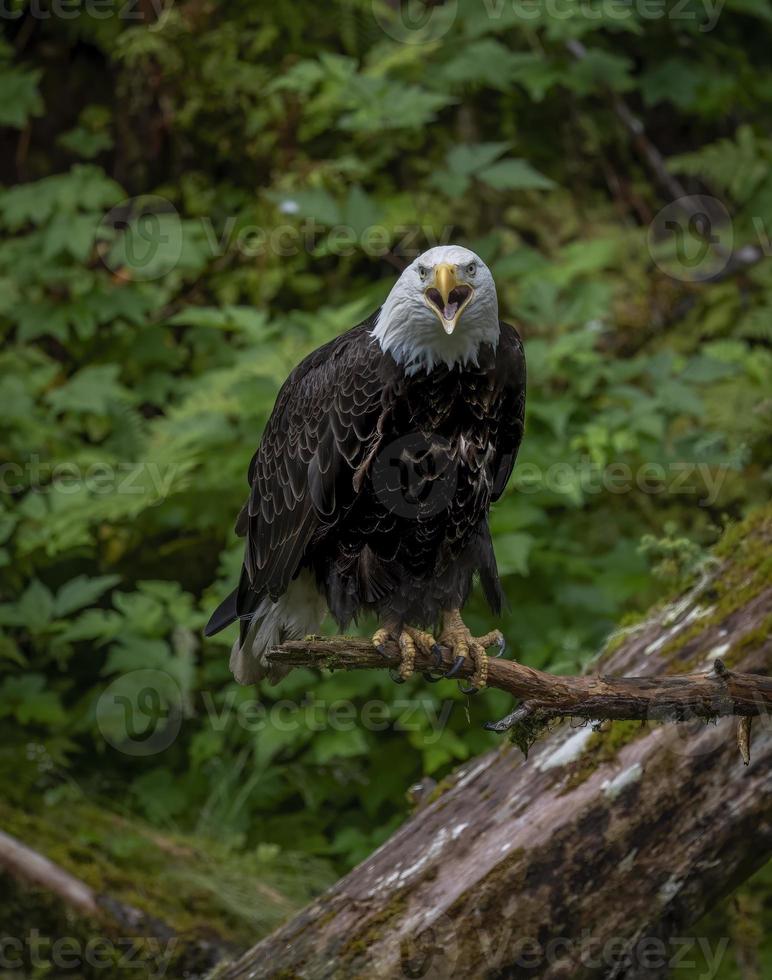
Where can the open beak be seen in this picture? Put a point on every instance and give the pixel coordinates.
(448, 297)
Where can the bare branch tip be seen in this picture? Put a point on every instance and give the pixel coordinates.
(744, 739)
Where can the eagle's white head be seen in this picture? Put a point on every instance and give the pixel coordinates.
(440, 310)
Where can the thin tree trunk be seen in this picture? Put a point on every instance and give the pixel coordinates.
(592, 858)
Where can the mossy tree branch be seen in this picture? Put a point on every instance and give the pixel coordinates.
(716, 694)
(546, 697)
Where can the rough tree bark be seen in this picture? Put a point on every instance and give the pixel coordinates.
(593, 857)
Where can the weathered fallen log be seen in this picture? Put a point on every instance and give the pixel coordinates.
(594, 857)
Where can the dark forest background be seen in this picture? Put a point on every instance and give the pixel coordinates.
(193, 195)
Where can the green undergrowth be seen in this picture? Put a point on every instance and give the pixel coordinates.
(43, 939)
(195, 889)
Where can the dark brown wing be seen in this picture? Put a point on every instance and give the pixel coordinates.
(303, 475)
(510, 409)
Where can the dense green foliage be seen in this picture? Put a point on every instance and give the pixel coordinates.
(294, 153)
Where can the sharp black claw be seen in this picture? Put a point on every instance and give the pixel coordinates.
(502, 645)
(436, 654)
(468, 690)
(396, 676)
(381, 649)
(452, 671)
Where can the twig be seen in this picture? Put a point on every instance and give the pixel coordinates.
(744, 739)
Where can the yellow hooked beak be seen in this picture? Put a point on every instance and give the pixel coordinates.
(447, 296)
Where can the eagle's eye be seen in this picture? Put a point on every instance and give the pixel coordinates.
(423, 272)
(471, 268)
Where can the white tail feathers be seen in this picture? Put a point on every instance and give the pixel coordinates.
(297, 613)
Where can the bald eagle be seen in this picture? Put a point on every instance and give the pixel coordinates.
(371, 486)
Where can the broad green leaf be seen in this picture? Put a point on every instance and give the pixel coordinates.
(36, 606)
(26, 698)
(82, 591)
(21, 98)
(513, 174)
(467, 159)
(92, 389)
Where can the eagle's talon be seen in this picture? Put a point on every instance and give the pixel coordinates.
(379, 640)
(457, 664)
(479, 657)
(407, 649)
(456, 635)
(380, 636)
(410, 641)
(436, 654)
(468, 690)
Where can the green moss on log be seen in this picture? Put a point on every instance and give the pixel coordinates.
(602, 747)
(377, 925)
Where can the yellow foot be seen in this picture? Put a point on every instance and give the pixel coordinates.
(456, 635)
(410, 640)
